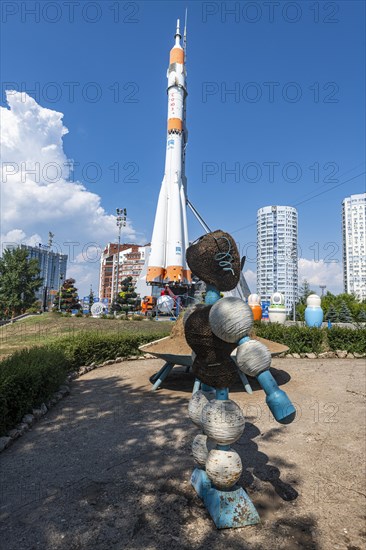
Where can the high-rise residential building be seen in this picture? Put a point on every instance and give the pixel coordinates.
(354, 245)
(277, 231)
(52, 267)
(130, 259)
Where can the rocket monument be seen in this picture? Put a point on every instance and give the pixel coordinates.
(167, 261)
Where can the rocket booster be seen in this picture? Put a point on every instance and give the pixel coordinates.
(167, 261)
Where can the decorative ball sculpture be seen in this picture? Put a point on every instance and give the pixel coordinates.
(195, 407)
(201, 446)
(231, 319)
(223, 421)
(313, 313)
(213, 332)
(252, 357)
(224, 468)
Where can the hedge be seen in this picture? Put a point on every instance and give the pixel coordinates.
(354, 341)
(30, 377)
(27, 379)
(302, 339)
(87, 348)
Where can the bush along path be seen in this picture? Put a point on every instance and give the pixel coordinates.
(31, 381)
(318, 342)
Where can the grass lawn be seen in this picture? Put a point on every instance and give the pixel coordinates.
(48, 327)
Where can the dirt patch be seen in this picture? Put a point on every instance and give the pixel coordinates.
(109, 467)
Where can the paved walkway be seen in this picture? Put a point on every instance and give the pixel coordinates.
(109, 466)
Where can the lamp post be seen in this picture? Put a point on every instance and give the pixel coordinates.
(59, 292)
(121, 222)
(45, 287)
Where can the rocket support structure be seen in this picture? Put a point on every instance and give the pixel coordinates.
(167, 261)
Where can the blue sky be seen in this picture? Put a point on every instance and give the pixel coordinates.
(293, 128)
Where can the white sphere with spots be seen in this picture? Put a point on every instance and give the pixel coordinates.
(223, 421)
(201, 446)
(231, 319)
(253, 357)
(224, 468)
(195, 406)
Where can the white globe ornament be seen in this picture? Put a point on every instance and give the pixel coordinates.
(224, 468)
(165, 304)
(253, 357)
(223, 421)
(201, 446)
(231, 319)
(195, 406)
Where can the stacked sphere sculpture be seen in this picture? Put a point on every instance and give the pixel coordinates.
(213, 331)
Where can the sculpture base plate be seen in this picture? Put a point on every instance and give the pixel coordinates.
(228, 509)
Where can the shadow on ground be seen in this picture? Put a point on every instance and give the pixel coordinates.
(180, 380)
(109, 467)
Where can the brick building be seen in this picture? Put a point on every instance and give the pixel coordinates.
(131, 258)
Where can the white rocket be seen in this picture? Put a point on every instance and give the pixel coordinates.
(167, 260)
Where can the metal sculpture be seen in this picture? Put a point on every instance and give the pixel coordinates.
(213, 331)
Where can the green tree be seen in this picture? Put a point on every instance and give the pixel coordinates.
(127, 299)
(353, 304)
(19, 282)
(344, 314)
(304, 292)
(332, 314)
(361, 317)
(91, 299)
(69, 296)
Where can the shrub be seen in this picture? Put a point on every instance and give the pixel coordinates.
(28, 378)
(33, 309)
(299, 339)
(86, 348)
(351, 340)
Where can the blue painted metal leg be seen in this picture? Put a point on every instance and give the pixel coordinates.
(277, 400)
(197, 385)
(245, 381)
(168, 367)
(155, 376)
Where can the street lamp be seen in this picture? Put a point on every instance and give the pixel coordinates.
(59, 292)
(121, 222)
(322, 288)
(45, 287)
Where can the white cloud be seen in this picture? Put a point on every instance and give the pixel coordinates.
(316, 273)
(37, 195)
(321, 273)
